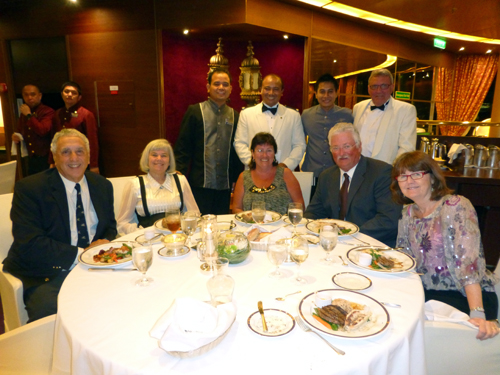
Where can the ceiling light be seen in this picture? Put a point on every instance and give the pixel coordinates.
(185, 32)
(285, 36)
(489, 51)
(334, 61)
(388, 62)
(461, 48)
(373, 17)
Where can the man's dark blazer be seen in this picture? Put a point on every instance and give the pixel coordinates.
(369, 202)
(40, 225)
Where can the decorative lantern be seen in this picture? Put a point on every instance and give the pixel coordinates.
(218, 60)
(250, 78)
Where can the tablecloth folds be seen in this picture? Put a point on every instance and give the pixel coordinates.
(189, 324)
(442, 312)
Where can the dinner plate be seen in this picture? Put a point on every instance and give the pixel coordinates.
(170, 253)
(143, 241)
(315, 226)
(378, 323)
(158, 225)
(352, 281)
(275, 217)
(408, 263)
(304, 221)
(278, 322)
(87, 257)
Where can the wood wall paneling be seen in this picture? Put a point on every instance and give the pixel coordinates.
(116, 57)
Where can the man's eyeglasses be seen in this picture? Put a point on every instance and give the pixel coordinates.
(383, 86)
(344, 147)
(414, 176)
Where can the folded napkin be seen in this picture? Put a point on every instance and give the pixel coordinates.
(190, 324)
(24, 149)
(455, 151)
(442, 312)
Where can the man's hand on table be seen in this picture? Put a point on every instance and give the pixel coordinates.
(487, 329)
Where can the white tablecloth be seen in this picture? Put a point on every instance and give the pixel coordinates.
(104, 320)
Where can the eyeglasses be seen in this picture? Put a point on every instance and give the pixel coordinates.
(383, 86)
(414, 176)
(344, 147)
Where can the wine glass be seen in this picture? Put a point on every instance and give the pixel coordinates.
(295, 212)
(328, 236)
(299, 252)
(143, 258)
(173, 219)
(258, 211)
(189, 223)
(276, 254)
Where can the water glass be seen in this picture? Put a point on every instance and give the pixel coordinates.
(328, 237)
(258, 211)
(277, 254)
(189, 223)
(299, 251)
(142, 258)
(221, 289)
(295, 213)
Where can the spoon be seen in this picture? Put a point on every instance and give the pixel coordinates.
(343, 262)
(283, 298)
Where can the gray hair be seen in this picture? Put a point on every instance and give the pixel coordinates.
(344, 127)
(157, 145)
(381, 73)
(68, 132)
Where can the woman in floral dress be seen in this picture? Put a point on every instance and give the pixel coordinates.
(441, 232)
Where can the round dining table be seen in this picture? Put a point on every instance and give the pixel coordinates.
(104, 319)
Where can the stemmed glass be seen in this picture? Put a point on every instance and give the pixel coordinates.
(173, 219)
(276, 254)
(299, 251)
(328, 236)
(143, 258)
(295, 212)
(189, 223)
(258, 211)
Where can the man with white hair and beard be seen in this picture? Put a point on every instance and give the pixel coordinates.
(356, 189)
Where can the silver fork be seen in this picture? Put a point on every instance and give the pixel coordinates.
(305, 328)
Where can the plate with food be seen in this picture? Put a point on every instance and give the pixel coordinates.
(278, 323)
(350, 315)
(345, 228)
(109, 255)
(351, 281)
(286, 220)
(245, 217)
(383, 259)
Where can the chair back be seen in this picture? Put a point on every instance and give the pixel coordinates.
(7, 177)
(28, 350)
(118, 185)
(305, 181)
(6, 238)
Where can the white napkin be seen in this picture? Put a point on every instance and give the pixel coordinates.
(455, 151)
(24, 149)
(190, 324)
(442, 312)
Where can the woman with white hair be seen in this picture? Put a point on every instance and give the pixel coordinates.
(146, 198)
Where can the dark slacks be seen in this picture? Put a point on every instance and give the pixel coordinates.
(211, 201)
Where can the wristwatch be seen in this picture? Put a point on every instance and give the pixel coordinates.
(480, 309)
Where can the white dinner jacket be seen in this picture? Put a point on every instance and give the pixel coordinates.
(397, 133)
(287, 131)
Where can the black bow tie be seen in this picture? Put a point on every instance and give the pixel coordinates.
(266, 108)
(381, 107)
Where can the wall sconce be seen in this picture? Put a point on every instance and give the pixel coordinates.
(250, 78)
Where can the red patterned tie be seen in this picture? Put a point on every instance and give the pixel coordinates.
(344, 190)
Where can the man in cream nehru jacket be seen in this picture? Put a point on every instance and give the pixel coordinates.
(388, 127)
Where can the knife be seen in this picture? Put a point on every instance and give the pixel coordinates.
(112, 269)
(261, 310)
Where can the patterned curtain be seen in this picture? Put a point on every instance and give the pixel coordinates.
(460, 92)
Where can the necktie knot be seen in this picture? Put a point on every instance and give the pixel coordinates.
(266, 108)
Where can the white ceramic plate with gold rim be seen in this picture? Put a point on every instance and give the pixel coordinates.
(278, 323)
(316, 225)
(245, 217)
(407, 262)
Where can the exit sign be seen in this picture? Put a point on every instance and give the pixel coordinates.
(439, 43)
(402, 95)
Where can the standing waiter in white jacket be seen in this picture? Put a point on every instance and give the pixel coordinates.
(388, 127)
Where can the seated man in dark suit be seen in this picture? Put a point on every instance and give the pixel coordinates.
(46, 209)
(356, 189)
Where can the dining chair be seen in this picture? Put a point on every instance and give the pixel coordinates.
(7, 177)
(305, 181)
(118, 186)
(28, 349)
(11, 288)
